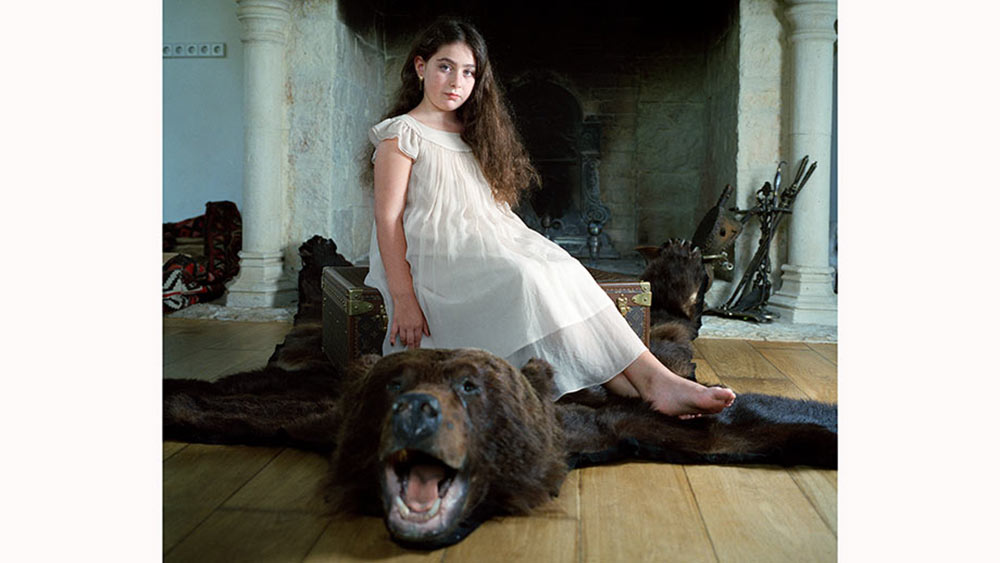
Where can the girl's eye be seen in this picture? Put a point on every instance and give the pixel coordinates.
(445, 68)
(470, 74)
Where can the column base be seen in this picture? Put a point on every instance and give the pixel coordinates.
(261, 282)
(806, 295)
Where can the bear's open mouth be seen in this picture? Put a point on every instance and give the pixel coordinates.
(423, 495)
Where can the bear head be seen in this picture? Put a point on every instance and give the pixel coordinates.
(438, 441)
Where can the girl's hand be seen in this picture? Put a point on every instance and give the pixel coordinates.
(408, 322)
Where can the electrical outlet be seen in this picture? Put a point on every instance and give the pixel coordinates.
(192, 50)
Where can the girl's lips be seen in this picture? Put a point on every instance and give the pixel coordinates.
(454, 97)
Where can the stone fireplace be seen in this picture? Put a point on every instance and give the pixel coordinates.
(636, 121)
(643, 103)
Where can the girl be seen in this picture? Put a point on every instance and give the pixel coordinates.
(457, 267)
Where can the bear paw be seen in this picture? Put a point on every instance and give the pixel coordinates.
(679, 281)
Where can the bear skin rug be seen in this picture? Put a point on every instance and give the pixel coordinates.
(438, 441)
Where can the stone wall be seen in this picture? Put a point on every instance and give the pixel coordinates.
(336, 90)
(651, 103)
(722, 88)
(679, 120)
(670, 143)
(686, 104)
(759, 116)
(652, 115)
(657, 103)
(722, 92)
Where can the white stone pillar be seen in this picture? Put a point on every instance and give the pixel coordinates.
(806, 293)
(261, 281)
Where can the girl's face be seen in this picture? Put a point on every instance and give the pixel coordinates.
(448, 76)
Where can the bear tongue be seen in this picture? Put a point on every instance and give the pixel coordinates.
(422, 487)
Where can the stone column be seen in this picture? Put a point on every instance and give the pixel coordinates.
(806, 294)
(261, 281)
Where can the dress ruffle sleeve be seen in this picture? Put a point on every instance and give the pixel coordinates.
(396, 128)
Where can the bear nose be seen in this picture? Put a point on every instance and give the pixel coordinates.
(415, 416)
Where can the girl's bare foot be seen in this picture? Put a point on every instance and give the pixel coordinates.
(668, 392)
(685, 398)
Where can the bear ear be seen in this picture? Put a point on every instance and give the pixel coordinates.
(361, 366)
(539, 373)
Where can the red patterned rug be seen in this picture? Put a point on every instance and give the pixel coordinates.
(191, 279)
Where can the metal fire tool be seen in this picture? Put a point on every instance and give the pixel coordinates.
(750, 297)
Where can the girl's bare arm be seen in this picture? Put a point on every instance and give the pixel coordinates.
(392, 174)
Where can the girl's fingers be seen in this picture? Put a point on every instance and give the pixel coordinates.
(409, 337)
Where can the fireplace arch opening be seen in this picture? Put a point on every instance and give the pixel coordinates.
(565, 148)
(549, 119)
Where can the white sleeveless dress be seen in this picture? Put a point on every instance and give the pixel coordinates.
(486, 280)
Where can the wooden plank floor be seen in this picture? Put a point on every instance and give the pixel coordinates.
(227, 503)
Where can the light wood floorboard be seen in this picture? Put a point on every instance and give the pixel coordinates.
(825, 349)
(736, 358)
(820, 487)
(210, 364)
(767, 345)
(251, 535)
(779, 387)
(814, 374)
(170, 448)
(199, 478)
(705, 373)
(292, 481)
(233, 503)
(364, 538)
(641, 512)
(549, 534)
(759, 514)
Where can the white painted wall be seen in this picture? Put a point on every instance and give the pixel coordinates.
(202, 110)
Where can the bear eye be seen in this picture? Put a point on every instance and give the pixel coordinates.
(394, 386)
(468, 386)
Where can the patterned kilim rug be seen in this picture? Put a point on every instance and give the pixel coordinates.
(197, 278)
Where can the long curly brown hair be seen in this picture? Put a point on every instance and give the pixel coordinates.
(486, 123)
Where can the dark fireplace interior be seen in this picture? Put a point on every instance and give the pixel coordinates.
(550, 121)
(628, 113)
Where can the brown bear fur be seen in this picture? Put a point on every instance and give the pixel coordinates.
(514, 445)
(492, 426)
(678, 280)
(512, 442)
(298, 351)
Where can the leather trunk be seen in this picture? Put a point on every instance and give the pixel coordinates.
(355, 321)
(632, 296)
(354, 318)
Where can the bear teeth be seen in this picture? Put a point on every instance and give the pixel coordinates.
(444, 484)
(415, 516)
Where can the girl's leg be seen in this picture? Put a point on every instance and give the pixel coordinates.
(620, 385)
(666, 391)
